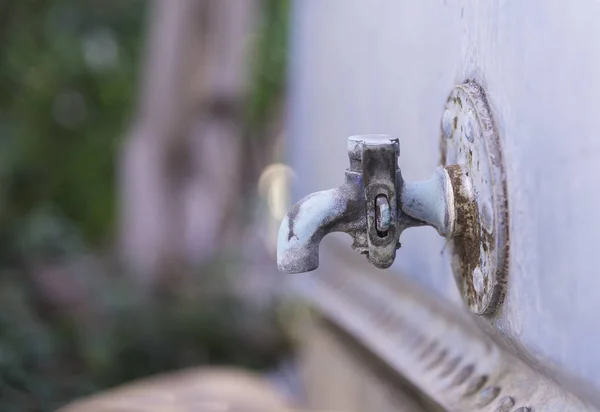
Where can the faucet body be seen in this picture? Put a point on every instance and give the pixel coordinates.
(334, 210)
(374, 206)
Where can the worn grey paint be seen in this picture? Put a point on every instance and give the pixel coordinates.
(383, 66)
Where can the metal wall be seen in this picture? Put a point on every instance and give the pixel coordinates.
(383, 66)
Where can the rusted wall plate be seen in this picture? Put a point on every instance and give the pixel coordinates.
(471, 139)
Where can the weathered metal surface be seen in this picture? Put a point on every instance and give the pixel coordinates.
(342, 377)
(374, 207)
(431, 201)
(379, 163)
(336, 210)
(339, 375)
(444, 355)
(479, 253)
(383, 215)
(539, 62)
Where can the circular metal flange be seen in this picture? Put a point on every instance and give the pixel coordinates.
(480, 251)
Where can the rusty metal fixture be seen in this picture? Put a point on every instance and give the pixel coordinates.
(471, 153)
(465, 200)
(374, 206)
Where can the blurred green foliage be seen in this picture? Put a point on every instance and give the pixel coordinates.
(269, 68)
(50, 356)
(67, 77)
(68, 74)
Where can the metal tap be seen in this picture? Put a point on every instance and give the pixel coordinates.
(374, 206)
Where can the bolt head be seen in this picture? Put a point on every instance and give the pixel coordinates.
(448, 123)
(470, 126)
(383, 219)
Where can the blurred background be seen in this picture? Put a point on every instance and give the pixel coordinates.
(140, 192)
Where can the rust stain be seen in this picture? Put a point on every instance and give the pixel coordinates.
(443, 147)
(468, 238)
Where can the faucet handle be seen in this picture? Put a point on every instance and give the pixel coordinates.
(375, 157)
(374, 206)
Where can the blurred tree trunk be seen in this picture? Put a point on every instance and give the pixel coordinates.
(180, 165)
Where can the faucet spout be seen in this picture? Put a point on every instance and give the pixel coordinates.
(374, 206)
(336, 210)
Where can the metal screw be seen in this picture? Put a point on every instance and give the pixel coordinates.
(487, 395)
(447, 123)
(383, 216)
(505, 404)
(470, 127)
